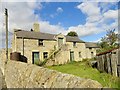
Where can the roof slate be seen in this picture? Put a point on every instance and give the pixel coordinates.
(91, 45)
(44, 36)
(73, 39)
(34, 35)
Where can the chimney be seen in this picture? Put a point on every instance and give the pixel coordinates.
(36, 27)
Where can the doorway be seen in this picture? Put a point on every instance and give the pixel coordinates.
(71, 55)
(60, 42)
(35, 58)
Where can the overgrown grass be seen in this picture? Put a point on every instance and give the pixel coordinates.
(82, 69)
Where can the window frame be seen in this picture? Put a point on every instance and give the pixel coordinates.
(40, 42)
(45, 55)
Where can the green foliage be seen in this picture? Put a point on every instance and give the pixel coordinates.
(111, 37)
(108, 41)
(52, 53)
(85, 71)
(72, 33)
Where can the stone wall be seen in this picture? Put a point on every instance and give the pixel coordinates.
(31, 45)
(3, 58)
(80, 47)
(27, 46)
(89, 54)
(22, 75)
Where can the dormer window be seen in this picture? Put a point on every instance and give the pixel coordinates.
(74, 44)
(40, 42)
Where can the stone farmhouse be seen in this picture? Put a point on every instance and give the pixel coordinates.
(37, 46)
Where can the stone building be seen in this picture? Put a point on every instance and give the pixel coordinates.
(60, 49)
(91, 49)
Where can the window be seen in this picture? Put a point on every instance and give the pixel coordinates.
(40, 42)
(92, 55)
(45, 55)
(74, 44)
(90, 48)
(80, 55)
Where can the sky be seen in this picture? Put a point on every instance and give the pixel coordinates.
(90, 19)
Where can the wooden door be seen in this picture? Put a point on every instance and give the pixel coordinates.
(71, 55)
(35, 57)
(60, 42)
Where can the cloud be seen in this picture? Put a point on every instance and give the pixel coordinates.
(59, 10)
(111, 14)
(105, 6)
(20, 15)
(89, 8)
(84, 30)
(96, 20)
(53, 15)
(45, 26)
(92, 11)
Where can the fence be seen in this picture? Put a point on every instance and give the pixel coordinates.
(109, 62)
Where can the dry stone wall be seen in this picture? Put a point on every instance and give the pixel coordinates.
(3, 58)
(22, 75)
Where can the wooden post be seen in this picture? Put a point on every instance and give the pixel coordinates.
(114, 59)
(103, 63)
(6, 21)
(108, 55)
(118, 63)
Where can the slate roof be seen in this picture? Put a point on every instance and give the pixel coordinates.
(91, 45)
(34, 35)
(73, 39)
(44, 36)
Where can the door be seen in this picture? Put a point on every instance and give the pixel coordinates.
(35, 58)
(60, 42)
(71, 55)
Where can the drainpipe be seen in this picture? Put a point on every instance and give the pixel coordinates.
(15, 41)
(23, 46)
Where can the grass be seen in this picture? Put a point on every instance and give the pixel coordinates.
(82, 69)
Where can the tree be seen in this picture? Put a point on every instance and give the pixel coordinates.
(111, 37)
(108, 41)
(72, 33)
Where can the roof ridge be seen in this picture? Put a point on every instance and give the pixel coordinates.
(36, 32)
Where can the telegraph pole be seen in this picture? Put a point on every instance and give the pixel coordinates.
(6, 27)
